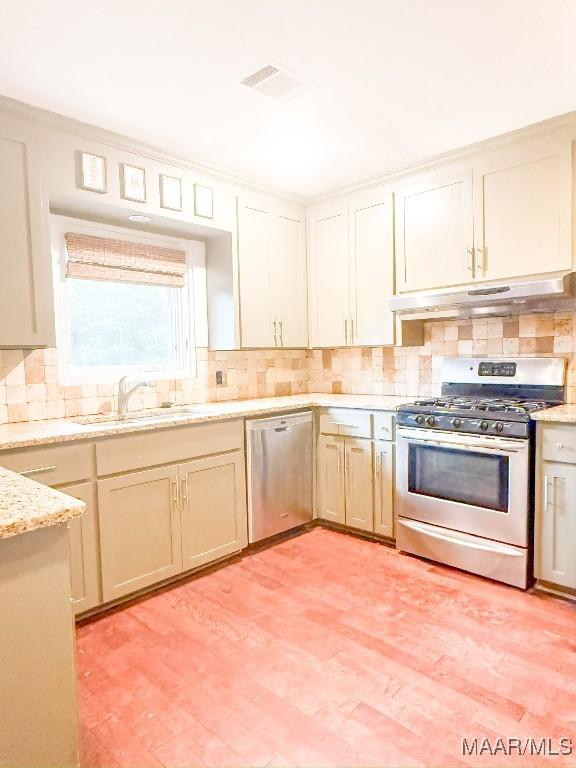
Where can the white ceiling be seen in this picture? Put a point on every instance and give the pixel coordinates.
(400, 80)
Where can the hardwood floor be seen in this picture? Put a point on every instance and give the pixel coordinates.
(327, 650)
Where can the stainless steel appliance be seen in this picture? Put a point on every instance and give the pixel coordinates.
(465, 466)
(556, 292)
(279, 474)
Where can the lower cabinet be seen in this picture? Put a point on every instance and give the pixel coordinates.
(384, 488)
(213, 510)
(556, 524)
(139, 530)
(157, 523)
(84, 561)
(345, 482)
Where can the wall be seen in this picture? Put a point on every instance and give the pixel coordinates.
(29, 388)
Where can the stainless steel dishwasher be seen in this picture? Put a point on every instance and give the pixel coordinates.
(279, 474)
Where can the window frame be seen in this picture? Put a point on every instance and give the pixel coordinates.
(182, 308)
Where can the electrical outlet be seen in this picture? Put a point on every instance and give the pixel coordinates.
(220, 377)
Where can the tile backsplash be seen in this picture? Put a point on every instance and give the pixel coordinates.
(30, 390)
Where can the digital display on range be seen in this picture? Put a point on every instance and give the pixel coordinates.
(497, 369)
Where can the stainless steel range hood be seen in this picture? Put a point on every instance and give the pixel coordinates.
(546, 294)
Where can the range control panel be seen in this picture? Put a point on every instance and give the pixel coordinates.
(500, 368)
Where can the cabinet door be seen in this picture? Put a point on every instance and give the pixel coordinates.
(372, 268)
(84, 560)
(556, 525)
(331, 495)
(434, 230)
(329, 276)
(26, 314)
(214, 521)
(359, 484)
(523, 209)
(139, 530)
(256, 303)
(289, 280)
(384, 488)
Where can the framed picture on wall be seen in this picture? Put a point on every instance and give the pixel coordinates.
(91, 172)
(133, 183)
(170, 192)
(203, 201)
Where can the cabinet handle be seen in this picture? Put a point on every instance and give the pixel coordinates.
(175, 493)
(470, 260)
(378, 465)
(480, 263)
(559, 446)
(344, 424)
(281, 333)
(275, 333)
(37, 470)
(339, 462)
(185, 492)
(345, 331)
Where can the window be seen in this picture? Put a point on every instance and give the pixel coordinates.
(124, 303)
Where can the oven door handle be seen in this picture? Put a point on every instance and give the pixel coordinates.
(491, 546)
(495, 448)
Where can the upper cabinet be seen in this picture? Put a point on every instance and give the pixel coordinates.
(507, 214)
(272, 273)
(351, 247)
(434, 231)
(26, 314)
(523, 210)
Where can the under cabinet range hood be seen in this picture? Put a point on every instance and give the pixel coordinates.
(555, 293)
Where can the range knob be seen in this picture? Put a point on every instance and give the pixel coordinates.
(483, 426)
(430, 420)
(498, 426)
(419, 419)
(456, 423)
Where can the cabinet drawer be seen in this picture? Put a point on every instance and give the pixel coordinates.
(345, 421)
(384, 426)
(559, 442)
(167, 446)
(52, 465)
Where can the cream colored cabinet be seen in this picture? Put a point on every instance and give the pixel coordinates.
(523, 210)
(140, 542)
(26, 311)
(329, 265)
(359, 483)
(351, 244)
(384, 488)
(272, 273)
(372, 268)
(345, 487)
(331, 488)
(434, 230)
(556, 525)
(84, 557)
(213, 508)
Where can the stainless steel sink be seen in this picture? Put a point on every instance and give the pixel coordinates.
(152, 415)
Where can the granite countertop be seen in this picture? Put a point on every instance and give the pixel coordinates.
(559, 413)
(26, 505)
(29, 433)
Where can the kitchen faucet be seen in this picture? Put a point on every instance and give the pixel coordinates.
(125, 393)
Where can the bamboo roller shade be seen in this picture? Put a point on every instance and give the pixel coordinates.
(102, 258)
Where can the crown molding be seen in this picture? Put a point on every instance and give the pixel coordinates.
(91, 132)
(467, 152)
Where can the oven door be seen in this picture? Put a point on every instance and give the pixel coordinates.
(468, 483)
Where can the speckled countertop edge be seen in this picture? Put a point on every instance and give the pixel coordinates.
(26, 505)
(565, 414)
(34, 433)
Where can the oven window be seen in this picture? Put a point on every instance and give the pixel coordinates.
(466, 477)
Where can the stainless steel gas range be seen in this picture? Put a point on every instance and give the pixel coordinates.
(465, 465)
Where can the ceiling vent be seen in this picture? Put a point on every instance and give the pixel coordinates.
(278, 83)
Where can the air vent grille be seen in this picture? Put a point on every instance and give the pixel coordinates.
(258, 77)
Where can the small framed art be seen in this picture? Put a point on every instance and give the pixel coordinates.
(91, 172)
(170, 192)
(133, 183)
(203, 201)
